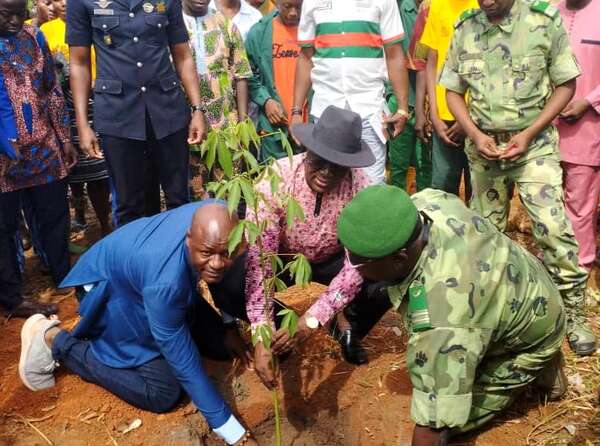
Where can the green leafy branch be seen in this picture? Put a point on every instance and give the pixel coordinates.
(230, 149)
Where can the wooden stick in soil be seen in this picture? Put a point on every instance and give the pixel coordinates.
(25, 421)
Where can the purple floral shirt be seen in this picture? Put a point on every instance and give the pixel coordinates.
(315, 237)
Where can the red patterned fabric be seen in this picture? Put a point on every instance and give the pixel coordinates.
(39, 111)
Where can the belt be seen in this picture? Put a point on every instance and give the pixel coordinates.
(502, 137)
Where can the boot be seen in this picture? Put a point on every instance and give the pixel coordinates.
(552, 380)
(582, 339)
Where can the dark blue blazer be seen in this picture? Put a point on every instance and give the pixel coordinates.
(134, 75)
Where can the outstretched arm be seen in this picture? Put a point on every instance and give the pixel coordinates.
(166, 309)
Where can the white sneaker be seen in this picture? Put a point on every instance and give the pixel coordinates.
(36, 365)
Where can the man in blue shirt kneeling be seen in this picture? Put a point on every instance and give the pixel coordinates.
(143, 323)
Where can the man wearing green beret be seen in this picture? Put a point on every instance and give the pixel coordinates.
(485, 319)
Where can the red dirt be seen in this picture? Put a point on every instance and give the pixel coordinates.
(325, 400)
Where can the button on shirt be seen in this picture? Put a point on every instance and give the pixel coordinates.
(349, 37)
(580, 141)
(137, 309)
(315, 237)
(135, 74)
(510, 69)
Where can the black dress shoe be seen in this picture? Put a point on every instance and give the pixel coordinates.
(28, 308)
(352, 350)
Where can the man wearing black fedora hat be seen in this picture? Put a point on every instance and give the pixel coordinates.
(323, 180)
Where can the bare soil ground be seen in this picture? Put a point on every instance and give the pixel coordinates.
(325, 400)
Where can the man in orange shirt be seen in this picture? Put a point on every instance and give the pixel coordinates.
(272, 48)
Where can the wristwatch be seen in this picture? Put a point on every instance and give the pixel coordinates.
(312, 322)
(195, 108)
(402, 113)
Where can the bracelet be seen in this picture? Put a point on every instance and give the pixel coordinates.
(195, 108)
(402, 113)
(296, 111)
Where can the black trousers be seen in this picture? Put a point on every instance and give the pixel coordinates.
(51, 211)
(371, 303)
(129, 163)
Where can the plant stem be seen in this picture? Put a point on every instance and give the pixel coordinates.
(275, 394)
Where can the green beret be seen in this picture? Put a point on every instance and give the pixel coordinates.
(378, 221)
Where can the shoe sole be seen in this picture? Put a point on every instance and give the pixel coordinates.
(584, 351)
(26, 334)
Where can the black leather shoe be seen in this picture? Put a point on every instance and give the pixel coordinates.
(352, 350)
(28, 308)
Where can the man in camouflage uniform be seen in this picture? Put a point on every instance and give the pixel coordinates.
(512, 59)
(484, 317)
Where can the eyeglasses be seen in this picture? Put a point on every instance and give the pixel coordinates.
(357, 265)
(319, 163)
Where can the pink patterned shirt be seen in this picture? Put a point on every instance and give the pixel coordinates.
(580, 142)
(315, 237)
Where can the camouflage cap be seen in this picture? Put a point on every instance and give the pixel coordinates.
(378, 221)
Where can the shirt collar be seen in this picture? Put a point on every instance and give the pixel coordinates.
(245, 8)
(398, 290)
(507, 24)
(191, 18)
(409, 6)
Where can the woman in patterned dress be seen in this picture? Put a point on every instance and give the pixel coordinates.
(88, 171)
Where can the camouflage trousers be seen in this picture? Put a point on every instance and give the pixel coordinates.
(503, 375)
(539, 182)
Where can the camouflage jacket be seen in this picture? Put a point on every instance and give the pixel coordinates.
(473, 294)
(509, 70)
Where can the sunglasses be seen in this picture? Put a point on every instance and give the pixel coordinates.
(358, 265)
(319, 163)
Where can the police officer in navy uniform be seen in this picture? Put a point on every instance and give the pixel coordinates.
(142, 58)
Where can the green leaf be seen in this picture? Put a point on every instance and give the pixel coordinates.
(293, 211)
(285, 142)
(289, 321)
(301, 270)
(250, 159)
(233, 199)
(221, 190)
(265, 332)
(235, 237)
(212, 152)
(252, 230)
(276, 263)
(252, 131)
(249, 195)
(225, 160)
(279, 284)
(244, 134)
(274, 180)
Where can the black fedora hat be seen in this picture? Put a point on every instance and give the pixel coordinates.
(337, 138)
